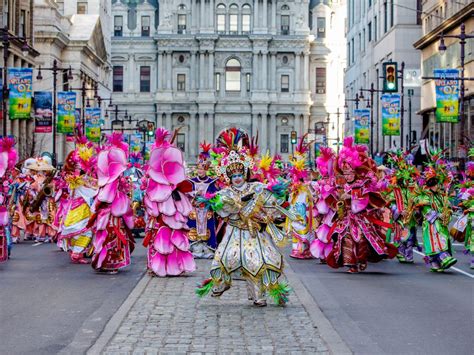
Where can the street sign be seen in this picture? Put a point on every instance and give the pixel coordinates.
(412, 78)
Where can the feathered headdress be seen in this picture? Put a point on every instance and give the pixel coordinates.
(298, 170)
(116, 139)
(403, 170)
(267, 169)
(8, 155)
(436, 168)
(325, 161)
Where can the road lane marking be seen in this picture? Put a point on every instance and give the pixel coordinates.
(452, 267)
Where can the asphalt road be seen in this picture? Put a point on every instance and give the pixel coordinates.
(48, 305)
(393, 308)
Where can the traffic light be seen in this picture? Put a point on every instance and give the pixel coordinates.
(150, 128)
(390, 77)
(294, 137)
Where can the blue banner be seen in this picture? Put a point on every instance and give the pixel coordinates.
(447, 95)
(43, 105)
(66, 112)
(93, 123)
(20, 89)
(390, 114)
(361, 126)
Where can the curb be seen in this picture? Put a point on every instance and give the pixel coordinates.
(116, 320)
(329, 335)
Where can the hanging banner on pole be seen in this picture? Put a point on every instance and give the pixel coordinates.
(390, 114)
(361, 126)
(136, 142)
(447, 95)
(66, 111)
(43, 108)
(93, 123)
(19, 86)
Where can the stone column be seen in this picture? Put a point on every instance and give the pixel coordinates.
(222, 85)
(272, 134)
(211, 14)
(256, 20)
(274, 15)
(265, 16)
(159, 77)
(306, 72)
(298, 125)
(210, 127)
(159, 120)
(211, 70)
(264, 70)
(202, 22)
(169, 123)
(192, 71)
(169, 70)
(192, 135)
(243, 85)
(297, 77)
(273, 79)
(193, 15)
(201, 128)
(264, 133)
(201, 70)
(255, 70)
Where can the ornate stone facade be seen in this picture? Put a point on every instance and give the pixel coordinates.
(205, 65)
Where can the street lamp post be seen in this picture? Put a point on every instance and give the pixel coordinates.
(338, 114)
(7, 37)
(54, 69)
(372, 90)
(442, 47)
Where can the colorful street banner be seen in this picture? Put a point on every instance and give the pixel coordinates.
(447, 95)
(361, 126)
(43, 107)
(19, 86)
(148, 148)
(390, 114)
(136, 142)
(66, 111)
(93, 123)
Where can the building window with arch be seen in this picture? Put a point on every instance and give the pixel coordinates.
(285, 83)
(285, 20)
(182, 19)
(220, 18)
(145, 26)
(232, 75)
(246, 13)
(321, 23)
(233, 19)
(117, 75)
(284, 143)
(181, 141)
(181, 82)
(118, 26)
(145, 78)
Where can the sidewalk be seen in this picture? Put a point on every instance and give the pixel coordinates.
(163, 315)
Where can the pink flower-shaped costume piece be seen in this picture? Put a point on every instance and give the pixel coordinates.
(113, 215)
(167, 207)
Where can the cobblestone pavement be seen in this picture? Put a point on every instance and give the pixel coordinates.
(168, 318)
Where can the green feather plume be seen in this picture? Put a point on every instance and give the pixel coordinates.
(280, 292)
(204, 288)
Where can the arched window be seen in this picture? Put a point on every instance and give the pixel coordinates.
(233, 19)
(182, 19)
(285, 20)
(220, 18)
(246, 13)
(232, 75)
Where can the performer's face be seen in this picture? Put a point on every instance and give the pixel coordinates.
(237, 180)
(201, 171)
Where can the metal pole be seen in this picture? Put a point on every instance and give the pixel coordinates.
(357, 101)
(338, 138)
(461, 112)
(5, 82)
(83, 118)
(372, 119)
(402, 71)
(409, 119)
(55, 73)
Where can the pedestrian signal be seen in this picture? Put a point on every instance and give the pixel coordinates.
(390, 77)
(294, 137)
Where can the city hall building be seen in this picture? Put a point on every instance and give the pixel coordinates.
(264, 66)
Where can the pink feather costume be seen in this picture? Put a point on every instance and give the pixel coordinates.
(8, 159)
(167, 208)
(112, 220)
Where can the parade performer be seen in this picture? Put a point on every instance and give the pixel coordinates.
(402, 183)
(466, 204)
(358, 228)
(202, 221)
(75, 234)
(432, 200)
(248, 248)
(112, 218)
(167, 208)
(301, 202)
(325, 197)
(8, 159)
(135, 173)
(40, 207)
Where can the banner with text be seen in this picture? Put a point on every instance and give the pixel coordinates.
(19, 86)
(136, 142)
(447, 95)
(66, 111)
(43, 107)
(361, 126)
(93, 123)
(390, 114)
